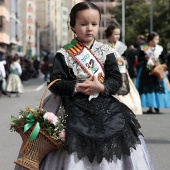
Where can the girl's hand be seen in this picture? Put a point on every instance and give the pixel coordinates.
(92, 87)
(80, 88)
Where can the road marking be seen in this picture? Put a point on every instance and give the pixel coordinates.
(41, 86)
(36, 89)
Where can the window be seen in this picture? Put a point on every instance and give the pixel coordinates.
(2, 23)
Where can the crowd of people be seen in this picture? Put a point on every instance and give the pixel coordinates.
(16, 69)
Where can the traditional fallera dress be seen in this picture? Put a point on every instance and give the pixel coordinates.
(154, 89)
(101, 133)
(14, 83)
(128, 93)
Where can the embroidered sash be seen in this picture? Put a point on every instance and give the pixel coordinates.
(86, 59)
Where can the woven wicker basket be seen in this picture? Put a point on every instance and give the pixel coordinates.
(158, 71)
(33, 152)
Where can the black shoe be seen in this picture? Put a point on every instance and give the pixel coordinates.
(156, 110)
(4, 93)
(150, 111)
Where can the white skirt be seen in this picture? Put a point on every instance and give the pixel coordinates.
(60, 160)
(139, 159)
(132, 99)
(14, 84)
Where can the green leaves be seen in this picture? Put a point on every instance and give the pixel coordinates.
(34, 120)
(14, 119)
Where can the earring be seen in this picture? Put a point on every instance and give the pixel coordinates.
(75, 35)
(96, 37)
(68, 25)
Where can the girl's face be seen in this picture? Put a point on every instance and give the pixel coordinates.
(87, 25)
(155, 41)
(115, 35)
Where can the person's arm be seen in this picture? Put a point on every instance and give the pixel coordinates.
(65, 86)
(19, 69)
(141, 56)
(2, 70)
(113, 79)
(162, 58)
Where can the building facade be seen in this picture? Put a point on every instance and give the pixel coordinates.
(28, 18)
(4, 25)
(42, 26)
(15, 27)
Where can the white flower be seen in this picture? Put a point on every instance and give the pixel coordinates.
(150, 62)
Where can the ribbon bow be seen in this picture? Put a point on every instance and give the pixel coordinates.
(31, 119)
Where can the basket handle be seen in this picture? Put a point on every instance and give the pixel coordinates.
(45, 91)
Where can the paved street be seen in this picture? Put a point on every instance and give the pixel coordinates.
(156, 128)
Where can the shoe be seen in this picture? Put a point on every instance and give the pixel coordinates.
(17, 95)
(4, 93)
(156, 110)
(150, 111)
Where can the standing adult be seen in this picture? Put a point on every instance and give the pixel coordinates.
(2, 73)
(128, 93)
(152, 82)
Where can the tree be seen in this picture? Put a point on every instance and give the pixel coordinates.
(137, 19)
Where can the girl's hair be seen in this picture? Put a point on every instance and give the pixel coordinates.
(80, 7)
(151, 36)
(109, 30)
(15, 58)
(141, 37)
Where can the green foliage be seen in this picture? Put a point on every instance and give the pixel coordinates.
(137, 19)
(28, 118)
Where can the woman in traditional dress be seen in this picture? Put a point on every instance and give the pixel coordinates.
(14, 84)
(154, 88)
(101, 132)
(128, 93)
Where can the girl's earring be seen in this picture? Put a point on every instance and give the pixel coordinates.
(75, 35)
(96, 37)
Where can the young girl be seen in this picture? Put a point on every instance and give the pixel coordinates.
(128, 93)
(101, 133)
(154, 90)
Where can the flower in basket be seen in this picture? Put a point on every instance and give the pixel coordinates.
(151, 64)
(37, 120)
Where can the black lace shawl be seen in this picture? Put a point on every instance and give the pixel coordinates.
(99, 128)
(148, 83)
